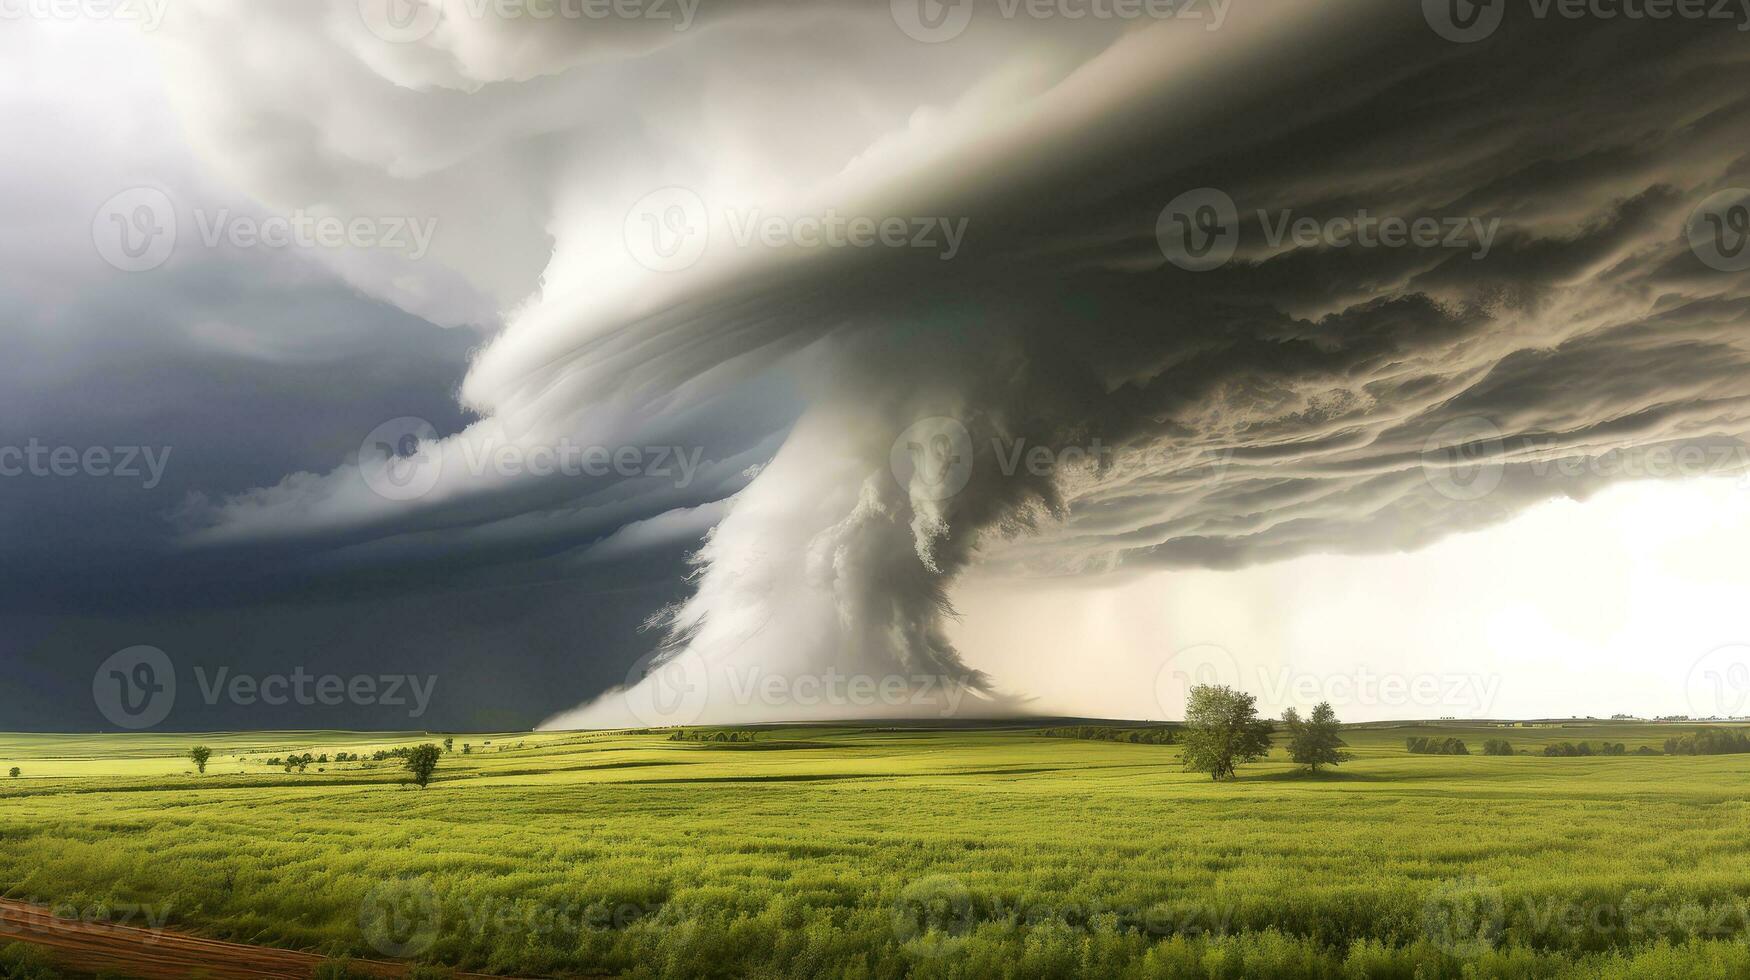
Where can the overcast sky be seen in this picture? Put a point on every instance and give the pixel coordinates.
(502, 353)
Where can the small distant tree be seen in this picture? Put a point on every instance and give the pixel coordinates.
(1222, 730)
(1315, 742)
(449, 745)
(199, 756)
(467, 748)
(422, 760)
(14, 772)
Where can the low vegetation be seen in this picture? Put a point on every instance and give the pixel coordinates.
(1159, 735)
(893, 852)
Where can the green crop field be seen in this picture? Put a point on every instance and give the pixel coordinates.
(866, 852)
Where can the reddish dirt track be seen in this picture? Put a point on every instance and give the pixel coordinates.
(161, 954)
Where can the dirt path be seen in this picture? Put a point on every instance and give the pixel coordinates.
(162, 954)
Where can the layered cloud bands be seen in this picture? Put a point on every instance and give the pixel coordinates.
(1051, 296)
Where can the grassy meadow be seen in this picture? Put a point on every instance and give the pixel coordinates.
(868, 852)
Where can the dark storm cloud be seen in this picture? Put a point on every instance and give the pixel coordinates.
(1282, 403)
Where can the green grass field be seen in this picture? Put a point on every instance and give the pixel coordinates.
(862, 852)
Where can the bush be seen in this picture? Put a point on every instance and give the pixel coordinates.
(422, 762)
(22, 961)
(1497, 746)
(1095, 733)
(1423, 745)
(1709, 741)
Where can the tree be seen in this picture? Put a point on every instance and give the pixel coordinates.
(14, 772)
(199, 756)
(1222, 730)
(449, 745)
(1315, 742)
(421, 761)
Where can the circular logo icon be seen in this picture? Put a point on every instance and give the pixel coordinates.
(400, 918)
(135, 231)
(135, 688)
(932, 458)
(400, 21)
(1205, 663)
(1464, 21)
(932, 21)
(673, 691)
(1719, 230)
(667, 230)
(1464, 916)
(1199, 230)
(400, 459)
(1462, 459)
(932, 916)
(1718, 685)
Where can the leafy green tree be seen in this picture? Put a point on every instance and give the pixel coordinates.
(1222, 730)
(14, 772)
(1316, 741)
(422, 760)
(449, 745)
(199, 756)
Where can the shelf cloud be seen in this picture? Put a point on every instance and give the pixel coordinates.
(1036, 295)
